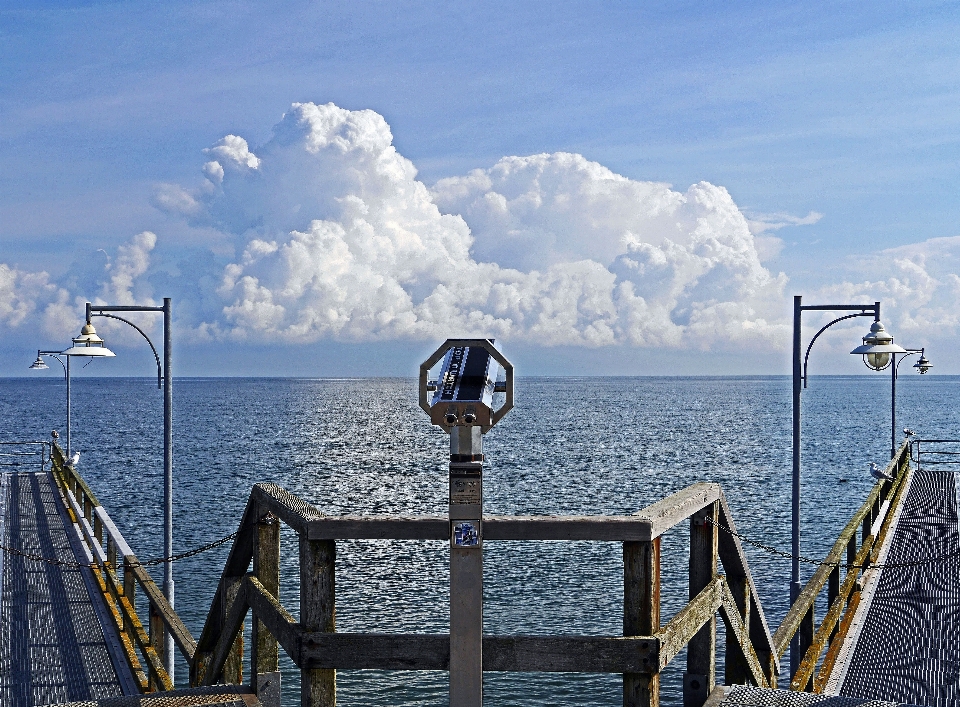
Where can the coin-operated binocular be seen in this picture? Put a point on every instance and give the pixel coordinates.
(462, 404)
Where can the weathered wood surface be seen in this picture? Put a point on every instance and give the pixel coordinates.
(641, 615)
(699, 678)
(739, 639)
(744, 589)
(346, 651)
(676, 634)
(265, 652)
(318, 686)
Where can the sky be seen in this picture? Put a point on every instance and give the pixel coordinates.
(605, 188)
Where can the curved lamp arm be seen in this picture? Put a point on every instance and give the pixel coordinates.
(56, 355)
(154, 348)
(810, 346)
(910, 352)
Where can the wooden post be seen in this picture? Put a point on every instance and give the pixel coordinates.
(641, 616)
(157, 636)
(698, 680)
(736, 671)
(130, 592)
(264, 650)
(833, 591)
(233, 666)
(318, 687)
(805, 633)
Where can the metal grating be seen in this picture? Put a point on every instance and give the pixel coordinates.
(216, 695)
(908, 649)
(744, 696)
(52, 646)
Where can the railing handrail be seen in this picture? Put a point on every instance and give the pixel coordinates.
(110, 551)
(873, 509)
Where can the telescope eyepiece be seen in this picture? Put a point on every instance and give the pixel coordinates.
(451, 417)
(469, 417)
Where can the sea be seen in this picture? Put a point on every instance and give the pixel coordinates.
(570, 446)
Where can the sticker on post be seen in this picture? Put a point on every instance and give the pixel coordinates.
(466, 533)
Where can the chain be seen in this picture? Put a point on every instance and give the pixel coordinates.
(146, 563)
(811, 561)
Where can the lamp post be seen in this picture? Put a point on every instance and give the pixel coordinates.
(41, 365)
(874, 352)
(922, 366)
(164, 379)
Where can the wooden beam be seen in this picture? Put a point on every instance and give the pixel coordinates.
(681, 628)
(741, 638)
(580, 654)
(675, 509)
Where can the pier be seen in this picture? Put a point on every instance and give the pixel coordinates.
(83, 623)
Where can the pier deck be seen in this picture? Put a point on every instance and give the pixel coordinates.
(906, 648)
(53, 645)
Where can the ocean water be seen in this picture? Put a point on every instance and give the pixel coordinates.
(571, 446)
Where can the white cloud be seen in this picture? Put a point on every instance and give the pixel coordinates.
(29, 298)
(337, 238)
(333, 236)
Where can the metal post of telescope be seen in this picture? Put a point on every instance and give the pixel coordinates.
(462, 405)
(466, 566)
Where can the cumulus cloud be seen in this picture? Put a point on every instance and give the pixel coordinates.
(34, 298)
(918, 286)
(336, 237)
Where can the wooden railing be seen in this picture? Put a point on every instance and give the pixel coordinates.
(640, 654)
(646, 647)
(110, 553)
(855, 551)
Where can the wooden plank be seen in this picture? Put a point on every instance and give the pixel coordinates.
(318, 686)
(178, 630)
(602, 528)
(698, 680)
(731, 614)
(595, 654)
(641, 615)
(292, 510)
(379, 527)
(218, 669)
(737, 571)
(238, 561)
(675, 509)
(675, 636)
(630, 528)
(277, 619)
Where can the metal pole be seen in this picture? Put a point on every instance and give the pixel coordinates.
(466, 566)
(68, 406)
(168, 472)
(893, 406)
(795, 656)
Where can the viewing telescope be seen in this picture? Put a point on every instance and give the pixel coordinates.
(462, 405)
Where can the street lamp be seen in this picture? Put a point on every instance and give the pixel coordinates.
(879, 344)
(87, 345)
(41, 365)
(922, 366)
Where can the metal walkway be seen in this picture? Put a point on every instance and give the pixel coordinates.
(908, 648)
(52, 642)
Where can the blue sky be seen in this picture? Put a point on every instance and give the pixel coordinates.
(832, 128)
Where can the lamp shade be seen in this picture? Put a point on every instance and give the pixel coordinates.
(88, 343)
(877, 348)
(39, 364)
(923, 365)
